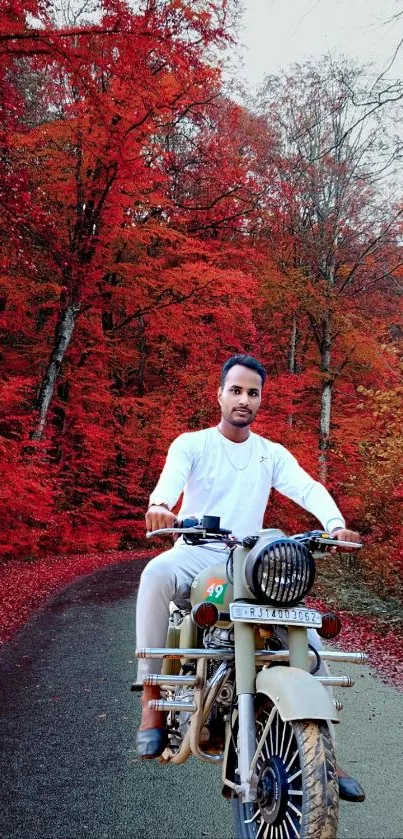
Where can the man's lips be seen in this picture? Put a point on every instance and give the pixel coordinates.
(241, 411)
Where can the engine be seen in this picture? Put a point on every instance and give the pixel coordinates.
(220, 638)
(212, 734)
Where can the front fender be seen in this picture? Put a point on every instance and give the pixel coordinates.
(296, 694)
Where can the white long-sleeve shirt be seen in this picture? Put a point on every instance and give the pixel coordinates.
(233, 481)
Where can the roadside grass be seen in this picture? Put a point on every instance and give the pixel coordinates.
(340, 583)
(370, 623)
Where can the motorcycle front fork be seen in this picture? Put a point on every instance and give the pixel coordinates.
(245, 669)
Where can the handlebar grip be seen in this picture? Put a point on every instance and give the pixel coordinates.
(340, 543)
(192, 521)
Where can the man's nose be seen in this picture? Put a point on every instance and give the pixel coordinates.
(243, 400)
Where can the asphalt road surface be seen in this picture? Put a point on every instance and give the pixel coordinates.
(68, 763)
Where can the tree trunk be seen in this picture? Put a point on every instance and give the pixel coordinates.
(63, 337)
(326, 396)
(292, 358)
(142, 345)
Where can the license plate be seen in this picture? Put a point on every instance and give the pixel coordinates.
(295, 616)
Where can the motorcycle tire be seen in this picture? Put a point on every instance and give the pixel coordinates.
(298, 789)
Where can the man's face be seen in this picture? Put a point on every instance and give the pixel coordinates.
(240, 396)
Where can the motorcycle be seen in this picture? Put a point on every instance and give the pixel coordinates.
(240, 683)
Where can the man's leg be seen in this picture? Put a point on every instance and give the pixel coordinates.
(164, 577)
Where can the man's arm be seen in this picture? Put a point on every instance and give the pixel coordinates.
(174, 475)
(291, 480)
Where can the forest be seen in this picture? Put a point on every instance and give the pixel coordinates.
(154, 220)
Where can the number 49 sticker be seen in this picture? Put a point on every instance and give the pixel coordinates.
(215, 590)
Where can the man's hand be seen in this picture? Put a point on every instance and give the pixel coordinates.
(159, 517)
(345, 535)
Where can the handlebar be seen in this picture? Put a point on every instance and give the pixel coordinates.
(320, 537)
(165, 531)
(198, 529)
(208, 528)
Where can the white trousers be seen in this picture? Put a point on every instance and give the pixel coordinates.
(165, 578)
(169, 577)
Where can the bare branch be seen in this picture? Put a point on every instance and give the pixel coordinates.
(156, 305)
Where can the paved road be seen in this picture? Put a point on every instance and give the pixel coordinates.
(68, 765)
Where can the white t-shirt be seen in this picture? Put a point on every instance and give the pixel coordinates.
(233, 481)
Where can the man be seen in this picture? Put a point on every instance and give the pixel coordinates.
(226, 471)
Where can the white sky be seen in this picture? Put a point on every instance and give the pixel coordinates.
(280, 32)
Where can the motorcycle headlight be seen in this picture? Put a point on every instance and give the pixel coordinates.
(282, 571)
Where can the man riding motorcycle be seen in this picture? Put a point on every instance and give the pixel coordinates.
(228, 471)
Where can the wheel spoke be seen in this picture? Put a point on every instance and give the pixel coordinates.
(282, 740)
(292, 760)
(295, 775)
(249, 821)
(289, 744)
(261, 825)
(280, 830)
(293, 807)
(295, 791)
(262, 742)
(271, 740)
(266, 832)
(286, 830)
(292, 824)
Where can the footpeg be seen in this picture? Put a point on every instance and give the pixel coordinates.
(336, 681)
(171, 705)
(153, 679)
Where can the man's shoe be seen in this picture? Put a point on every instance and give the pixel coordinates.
(151, 742)
(349, 788)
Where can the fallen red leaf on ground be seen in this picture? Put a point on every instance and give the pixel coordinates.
(26, 587)
(385, 649)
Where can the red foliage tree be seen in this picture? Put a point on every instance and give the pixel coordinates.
(107, 248)
(150, 227)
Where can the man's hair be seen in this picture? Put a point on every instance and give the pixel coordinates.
(245, 361)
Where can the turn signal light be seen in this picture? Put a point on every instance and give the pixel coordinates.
(205, 615)
(331, 625)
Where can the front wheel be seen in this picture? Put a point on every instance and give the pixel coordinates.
(297, 782)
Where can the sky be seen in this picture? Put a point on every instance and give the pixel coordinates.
(277, 33)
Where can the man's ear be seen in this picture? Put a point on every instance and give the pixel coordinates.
(219, 394)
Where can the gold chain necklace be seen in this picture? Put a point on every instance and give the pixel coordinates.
(237, 468)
